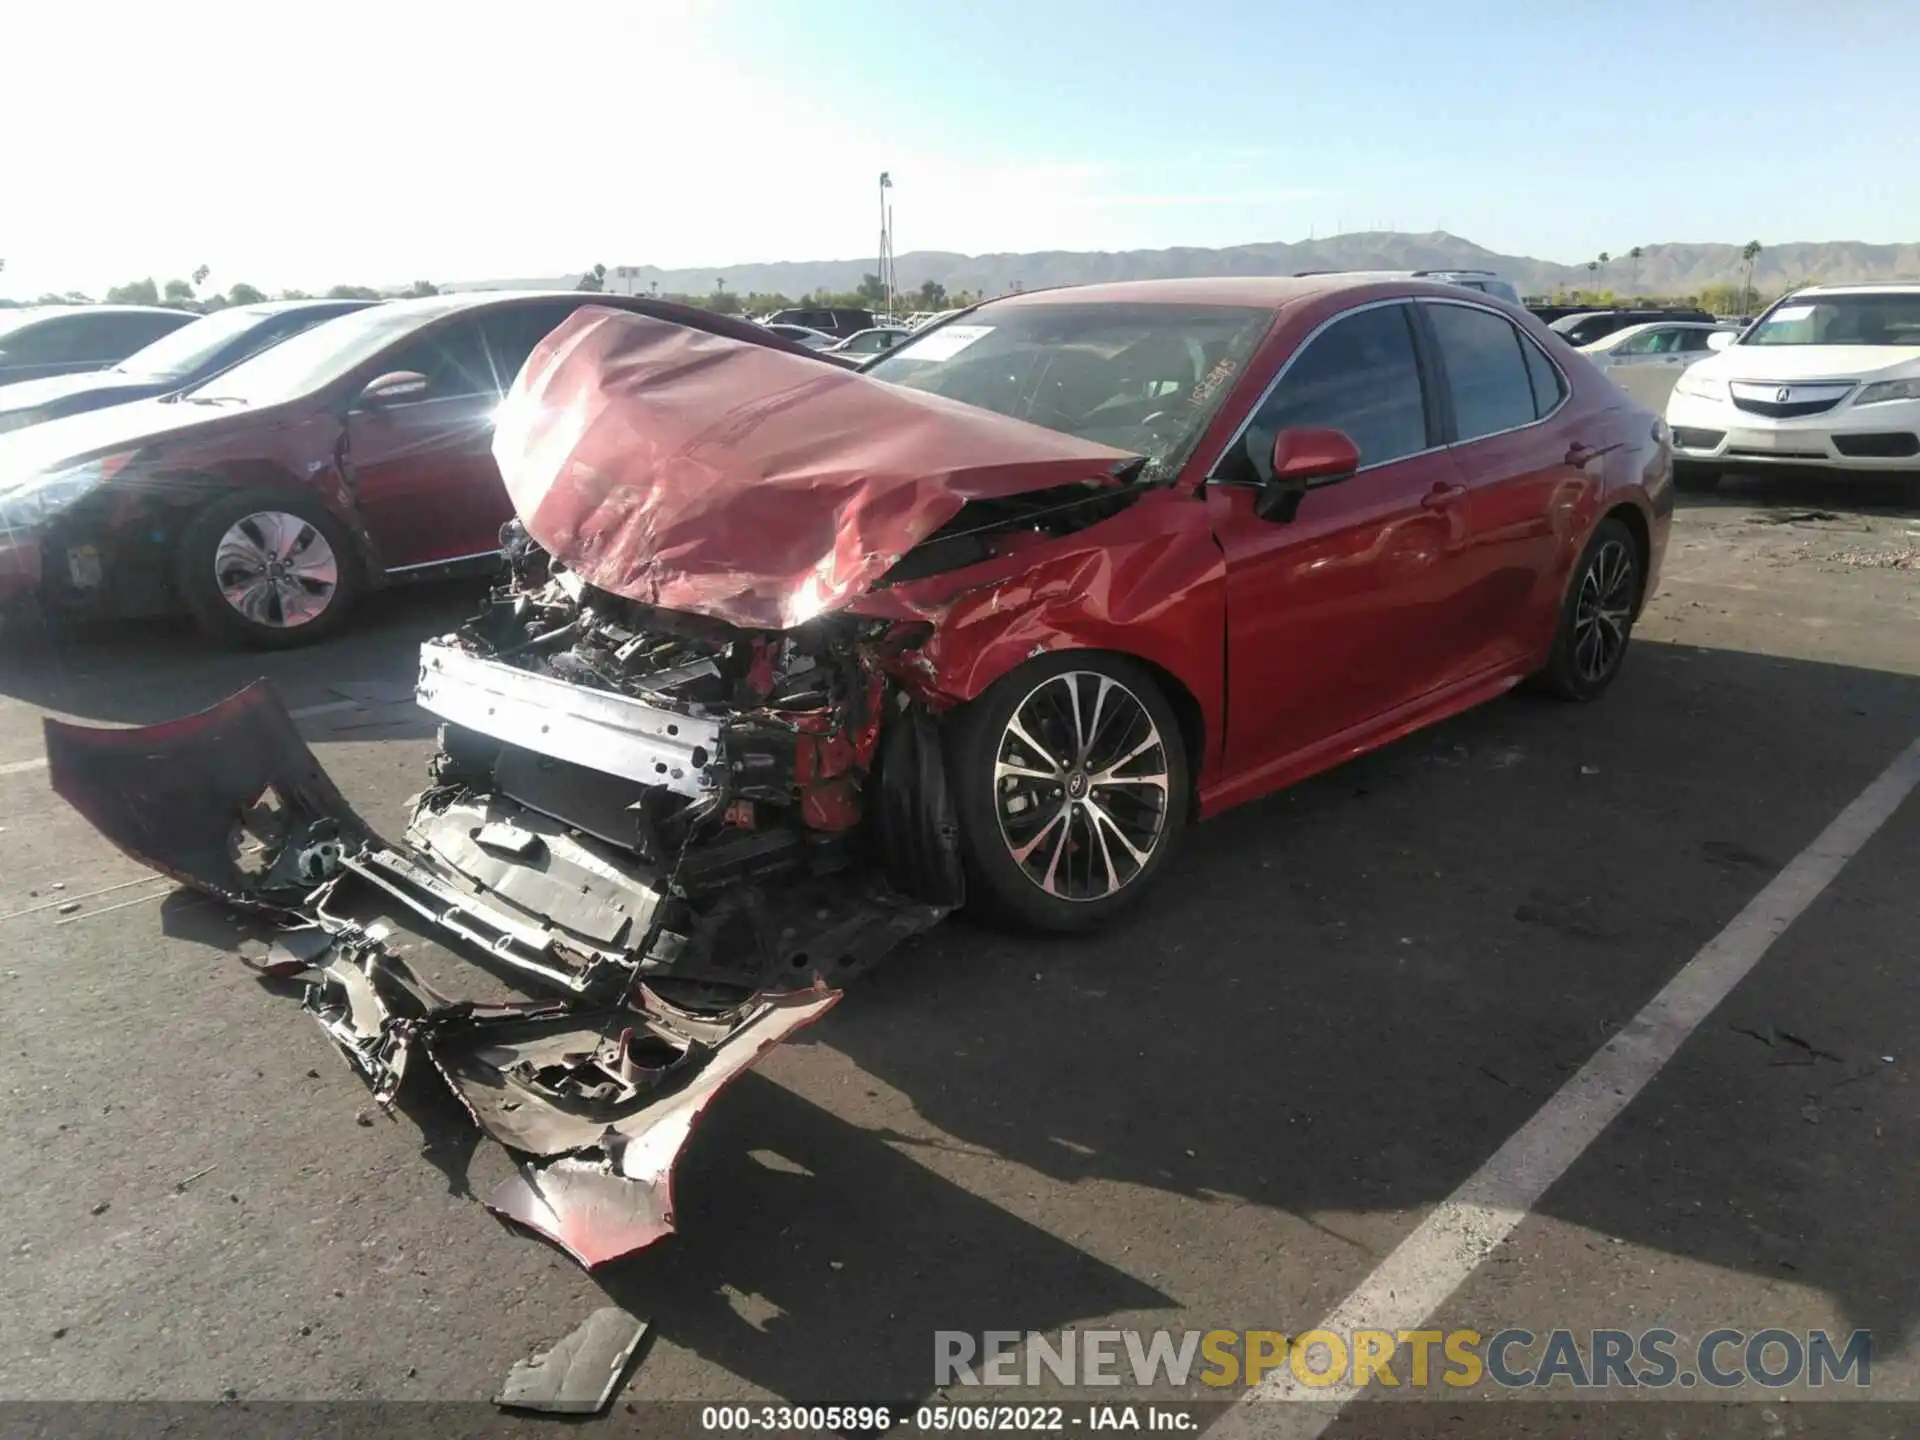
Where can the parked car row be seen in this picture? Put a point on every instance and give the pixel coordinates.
(181, 359)
(351, 454)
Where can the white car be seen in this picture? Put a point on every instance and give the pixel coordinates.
(1828, 379)
(801, 335)
(1645, 360)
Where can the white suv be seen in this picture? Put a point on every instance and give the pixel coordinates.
(1828, 378)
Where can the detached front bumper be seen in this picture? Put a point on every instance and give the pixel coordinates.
(1867, 439)
(581, 1008)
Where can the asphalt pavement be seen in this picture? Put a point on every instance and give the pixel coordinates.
(1225, 1113)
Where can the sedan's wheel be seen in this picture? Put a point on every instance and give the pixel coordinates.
(1596, 620)
(1071, 784)
(276, 569)
(267, 570)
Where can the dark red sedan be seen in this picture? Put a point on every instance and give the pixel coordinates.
(262, 502)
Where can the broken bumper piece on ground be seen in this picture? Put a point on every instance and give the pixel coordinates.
(582, 1009)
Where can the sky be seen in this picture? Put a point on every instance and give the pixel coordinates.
(309, 144)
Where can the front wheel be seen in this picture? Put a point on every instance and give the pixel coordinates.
(1070, 781)
(1596, 618)
(268, 570)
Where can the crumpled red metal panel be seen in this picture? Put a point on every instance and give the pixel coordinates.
(700, 473)
(1149, 582)
(598, 1209)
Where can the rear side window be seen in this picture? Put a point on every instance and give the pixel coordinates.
(1359, 375)
(1486, 369)
(1549, 385)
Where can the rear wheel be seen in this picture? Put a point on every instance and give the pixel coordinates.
(1070, 782)
(1695, 478)
(269, 570)
(1596, 618)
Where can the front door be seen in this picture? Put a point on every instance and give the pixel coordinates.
(1351, 608)
(422, 470)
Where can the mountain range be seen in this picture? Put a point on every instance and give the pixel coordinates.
(1668, 269)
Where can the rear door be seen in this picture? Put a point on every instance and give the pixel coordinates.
(1647, 365)
(1530, 460)
(1348, 610)
(423, 470)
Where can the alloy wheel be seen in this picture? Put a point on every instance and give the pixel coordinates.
(1080, 782)
(276, 569)
(1603, 611)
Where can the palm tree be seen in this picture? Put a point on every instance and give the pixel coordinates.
(1749, 252)
(1634, 255)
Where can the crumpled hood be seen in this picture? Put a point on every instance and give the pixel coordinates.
(740, 482)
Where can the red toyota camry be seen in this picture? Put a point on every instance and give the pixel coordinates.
(1179, 543)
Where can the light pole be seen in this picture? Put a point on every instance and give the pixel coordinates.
(886, 242)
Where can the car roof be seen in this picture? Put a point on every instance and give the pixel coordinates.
(1889, 287)
(1269, 292)
(48, 312)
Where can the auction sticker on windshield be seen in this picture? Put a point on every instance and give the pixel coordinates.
(943, 344)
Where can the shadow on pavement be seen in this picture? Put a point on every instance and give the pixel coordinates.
(1337, 1003)
(1343, 1001)
(1894, 493)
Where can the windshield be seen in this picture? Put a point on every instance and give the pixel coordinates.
(1886, 319)
(191, 346)
(1141, 378)
(315, 358)
(12, 320)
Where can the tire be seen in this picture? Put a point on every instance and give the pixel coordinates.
(1102, 845)
(1695, 478)
(1602, 600)
(307, 572)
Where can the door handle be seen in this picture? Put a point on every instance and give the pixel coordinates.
(1443, 495)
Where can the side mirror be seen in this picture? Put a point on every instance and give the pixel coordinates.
(1303, 458)
(391, 388)
(1721, 339)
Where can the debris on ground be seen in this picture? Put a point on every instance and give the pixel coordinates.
(1791, 517)
(100, 1207)
(180, 1186)
(69, 907)
(579, 1374)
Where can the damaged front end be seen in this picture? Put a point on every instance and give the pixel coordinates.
(653, 846)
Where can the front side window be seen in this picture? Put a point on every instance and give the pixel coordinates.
(1144, 378)
(455, 359)
(1359, 376)
(1486, 370)
(316, 358)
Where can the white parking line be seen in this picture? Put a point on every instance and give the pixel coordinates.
(305, 712)
(1431, 1263)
